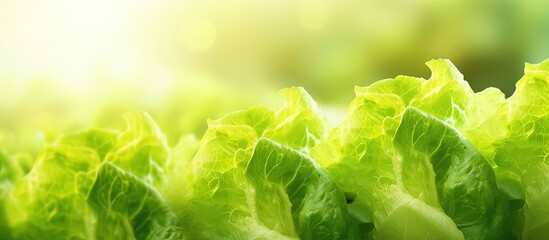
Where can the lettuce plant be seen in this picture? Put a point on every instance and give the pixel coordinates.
(414, 158)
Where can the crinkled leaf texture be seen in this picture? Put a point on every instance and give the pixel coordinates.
(293, 196)
(234, 196)
(126, 207)
(378, 169)
(442, 168)
(75, 191)
(524, 150)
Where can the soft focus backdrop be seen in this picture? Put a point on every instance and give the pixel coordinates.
(68, 65)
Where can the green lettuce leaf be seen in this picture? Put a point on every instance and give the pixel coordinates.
(217, 198)
(221, 196)
(525, 148)
(361, 157)
(480, 117)
(363, 144)
(126, 207)
(50, 201)
(142, 149)
(293, 196)
(300, 124)
(446, 95)
(443, 169)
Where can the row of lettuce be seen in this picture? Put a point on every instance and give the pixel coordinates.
(414, 159)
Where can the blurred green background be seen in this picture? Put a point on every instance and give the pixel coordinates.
(68, 65)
